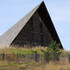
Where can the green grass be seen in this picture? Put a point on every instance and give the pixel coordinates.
(22, 50)
(5, 65)
(31, 65)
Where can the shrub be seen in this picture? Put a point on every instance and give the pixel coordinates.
(53, 52)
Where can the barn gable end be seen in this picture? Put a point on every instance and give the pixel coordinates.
(35, 29)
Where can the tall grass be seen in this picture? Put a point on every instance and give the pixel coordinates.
(26, 50)
(63, 63)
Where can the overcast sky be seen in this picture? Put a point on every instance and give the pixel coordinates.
(12, 11)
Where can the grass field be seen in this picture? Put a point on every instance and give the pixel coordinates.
(22, 50)
(63, 64)
(5, 65)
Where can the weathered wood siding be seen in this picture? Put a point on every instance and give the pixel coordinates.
(34, 33)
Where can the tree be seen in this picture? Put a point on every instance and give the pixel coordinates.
(53, 52)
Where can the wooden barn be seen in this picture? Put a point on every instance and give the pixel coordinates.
(35, 29)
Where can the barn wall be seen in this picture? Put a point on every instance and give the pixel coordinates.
(33, 33)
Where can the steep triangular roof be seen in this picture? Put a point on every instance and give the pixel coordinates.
(7, 38)
(10, 35)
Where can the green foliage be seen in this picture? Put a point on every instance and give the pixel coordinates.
(53, 52)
